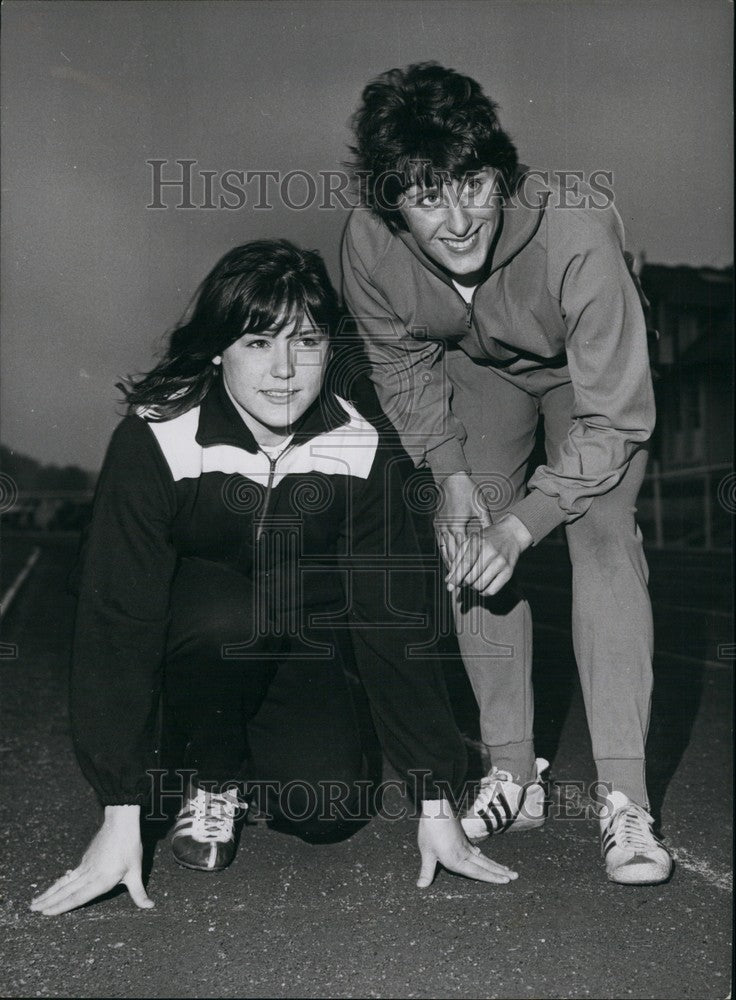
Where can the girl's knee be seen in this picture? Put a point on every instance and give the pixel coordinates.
(213, 610)
(318, 812)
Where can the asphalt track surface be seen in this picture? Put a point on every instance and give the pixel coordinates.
(345, 920)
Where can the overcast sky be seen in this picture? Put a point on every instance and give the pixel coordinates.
(92, 278)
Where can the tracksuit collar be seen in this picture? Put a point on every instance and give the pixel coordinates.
(220, 422)
(521, 217)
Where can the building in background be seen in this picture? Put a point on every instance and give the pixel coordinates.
(692, 449)
(692, 308)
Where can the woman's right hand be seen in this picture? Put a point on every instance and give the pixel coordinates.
(114, 856)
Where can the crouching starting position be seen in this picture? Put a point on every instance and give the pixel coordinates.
(245, 515)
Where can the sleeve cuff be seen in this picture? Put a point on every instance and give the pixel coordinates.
(539, 514)
(446, 459)
(122, 800)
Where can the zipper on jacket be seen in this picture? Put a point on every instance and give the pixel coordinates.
(468, 305)
(470, 320)
(469, 313)
(269, 486)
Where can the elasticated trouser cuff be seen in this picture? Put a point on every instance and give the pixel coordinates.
(516, 758)
(618, 775)
(624, 775)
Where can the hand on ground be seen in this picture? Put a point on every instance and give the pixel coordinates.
(441, 839)
(113, 857)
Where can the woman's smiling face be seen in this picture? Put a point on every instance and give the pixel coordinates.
(455, 223)
(275, 376)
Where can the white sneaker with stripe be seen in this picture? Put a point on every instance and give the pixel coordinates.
(633, 855)
(503, 806)
(204, 833)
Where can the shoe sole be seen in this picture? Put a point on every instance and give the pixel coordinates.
(651, 880)
(514, 828)
(648, 881)
(199, 868)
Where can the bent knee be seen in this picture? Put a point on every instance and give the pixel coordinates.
(607, 525)
(321, 812)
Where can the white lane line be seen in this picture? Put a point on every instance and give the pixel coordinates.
(10, 593)
(720, 878)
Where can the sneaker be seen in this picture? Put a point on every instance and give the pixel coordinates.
(204, 833)
(503, 806)
(633, 855)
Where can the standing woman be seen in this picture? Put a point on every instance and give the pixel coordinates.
(236, 501)
(490, 296)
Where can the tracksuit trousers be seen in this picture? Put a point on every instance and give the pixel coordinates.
(265, 707)
(611, 612)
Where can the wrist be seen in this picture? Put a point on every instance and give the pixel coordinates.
(518, 529)
(123, 817)
(436, 809)
(447, 458)
(449, 478)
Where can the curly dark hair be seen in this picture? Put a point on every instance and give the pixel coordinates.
(419, 125)
(261, 285)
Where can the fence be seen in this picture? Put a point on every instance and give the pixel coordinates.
(44, 511)
(688, 508)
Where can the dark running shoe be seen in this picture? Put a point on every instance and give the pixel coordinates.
(204, 833)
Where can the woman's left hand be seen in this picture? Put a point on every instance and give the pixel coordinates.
(487, 559)
(441, 839)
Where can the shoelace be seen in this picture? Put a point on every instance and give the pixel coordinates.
(631, 828)
(213, 816)
(494, 776)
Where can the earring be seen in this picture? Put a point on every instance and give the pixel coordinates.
(217, 359)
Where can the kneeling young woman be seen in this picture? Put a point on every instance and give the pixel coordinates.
(244, 513)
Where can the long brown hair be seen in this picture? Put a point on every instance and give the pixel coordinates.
(261, 285)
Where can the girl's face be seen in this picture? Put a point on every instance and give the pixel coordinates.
(276, 376)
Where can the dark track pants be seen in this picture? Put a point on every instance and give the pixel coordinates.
(286, 706)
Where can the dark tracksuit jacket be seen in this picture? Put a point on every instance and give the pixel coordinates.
(198, 486)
